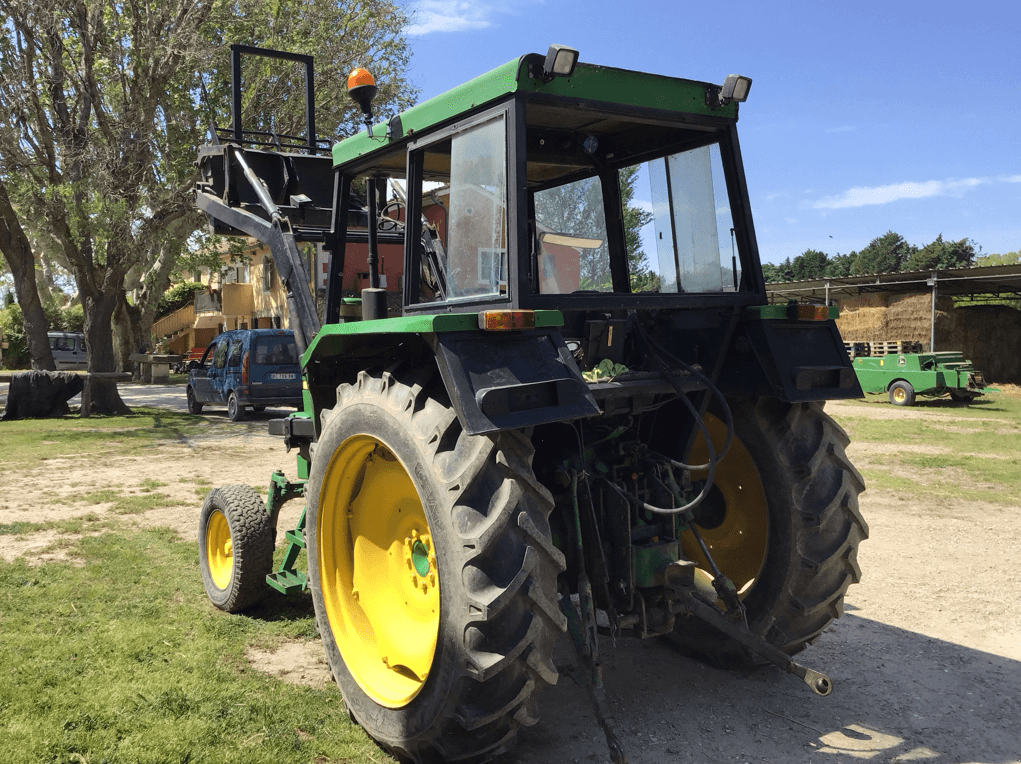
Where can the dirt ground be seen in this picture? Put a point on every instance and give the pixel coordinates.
(926, 661)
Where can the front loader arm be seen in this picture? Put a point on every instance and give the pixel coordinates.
(276, 233)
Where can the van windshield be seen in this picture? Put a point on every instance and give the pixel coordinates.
(276, 350)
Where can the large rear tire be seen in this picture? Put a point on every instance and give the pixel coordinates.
(236, 537)
(783, 523)
(432, 572)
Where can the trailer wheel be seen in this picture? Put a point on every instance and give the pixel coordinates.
(902, 394)
(782, 523)
(194, 407)
(432, 572)
(236, 538)
(235, 410)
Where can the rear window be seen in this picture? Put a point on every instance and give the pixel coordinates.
(276, 350)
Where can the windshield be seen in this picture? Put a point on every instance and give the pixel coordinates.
(677, 229)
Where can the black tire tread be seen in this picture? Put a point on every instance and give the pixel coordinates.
(253, 538)
(507, 623)
(813, 560)
(829, 524)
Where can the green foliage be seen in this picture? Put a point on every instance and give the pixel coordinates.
(1008, 258)
(12, 326)
(884, 254)
(942, 254)
(178, 296)
(810, 264)
(605, 370)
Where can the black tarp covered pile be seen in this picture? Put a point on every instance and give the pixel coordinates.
(41, 394)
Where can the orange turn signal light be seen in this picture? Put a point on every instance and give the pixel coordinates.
(813, 312)
(506, 320)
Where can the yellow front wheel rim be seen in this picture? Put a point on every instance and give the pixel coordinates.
(899, 395)
(219, 549)
(378, 573)
(739, 534)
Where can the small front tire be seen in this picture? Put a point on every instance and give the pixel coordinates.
(236, 538)
(235, 410)
(962, 396)
(902, 394)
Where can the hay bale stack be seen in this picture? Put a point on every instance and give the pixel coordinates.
(890, 318)
(989, 336)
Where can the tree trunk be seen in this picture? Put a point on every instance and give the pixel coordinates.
(17, 250)
(103, 397)
(128, 334)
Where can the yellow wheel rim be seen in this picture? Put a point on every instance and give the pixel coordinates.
(377, 569)
(899, 395)
(737, 527)
(219, 550)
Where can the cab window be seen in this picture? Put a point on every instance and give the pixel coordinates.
(462, 195)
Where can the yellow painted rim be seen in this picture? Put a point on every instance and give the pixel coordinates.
(738, 544)
(899, 394)
(219, 549)
(377, 569)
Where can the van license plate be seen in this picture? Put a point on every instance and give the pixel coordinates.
(283, 376)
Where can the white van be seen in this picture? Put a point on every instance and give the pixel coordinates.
(68, 350)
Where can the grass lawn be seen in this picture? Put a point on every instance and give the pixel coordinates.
(123, 659)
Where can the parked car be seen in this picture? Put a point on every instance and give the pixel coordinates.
(68, 350)
(246, 368)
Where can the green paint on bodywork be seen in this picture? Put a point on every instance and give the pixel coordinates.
(927, 373)
(772, 312)
(336, 338)
(589, 82)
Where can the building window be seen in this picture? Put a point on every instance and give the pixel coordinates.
(267, 274)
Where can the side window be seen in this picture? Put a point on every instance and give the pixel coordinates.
(220, 357)
(691, 222)
(234, 358)
(463, 194)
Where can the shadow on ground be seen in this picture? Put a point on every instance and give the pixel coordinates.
(899, 696)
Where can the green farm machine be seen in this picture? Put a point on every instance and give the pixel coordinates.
(540, 432)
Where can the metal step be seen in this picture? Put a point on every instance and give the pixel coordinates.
(288, 581)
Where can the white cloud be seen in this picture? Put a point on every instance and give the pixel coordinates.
(430, 16)
(860, 196)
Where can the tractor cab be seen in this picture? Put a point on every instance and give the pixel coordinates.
(513, 192)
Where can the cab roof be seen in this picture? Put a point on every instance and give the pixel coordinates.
(589, 82)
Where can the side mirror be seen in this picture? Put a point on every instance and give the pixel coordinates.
(194, 365)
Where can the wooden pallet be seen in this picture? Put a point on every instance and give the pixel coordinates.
(896, 348)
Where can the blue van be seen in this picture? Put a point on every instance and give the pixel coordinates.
(244, 368)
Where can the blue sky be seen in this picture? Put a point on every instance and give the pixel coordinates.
(863, 117)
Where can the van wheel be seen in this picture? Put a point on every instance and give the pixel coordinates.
(194, 407)
(235, 410)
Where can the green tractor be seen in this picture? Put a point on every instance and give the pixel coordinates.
(540, 432)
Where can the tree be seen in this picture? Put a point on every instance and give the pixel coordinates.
(883, 255)
(809, 265)
(942, 254)
(841, 265)
(17, 251)
(100, 118)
